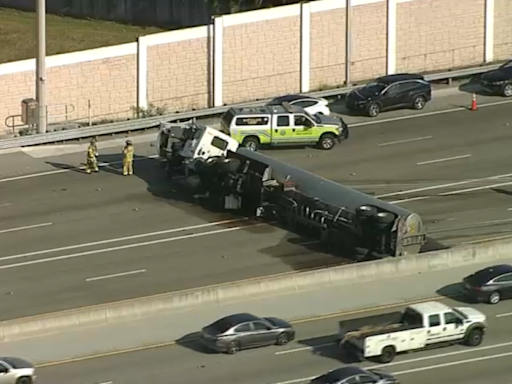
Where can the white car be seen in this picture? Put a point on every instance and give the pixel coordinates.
(14, 370)
(312, 105)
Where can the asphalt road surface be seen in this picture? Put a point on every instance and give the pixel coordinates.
(313, 353)
(71, 240)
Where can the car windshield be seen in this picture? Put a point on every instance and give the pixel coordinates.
(375, 87)
(315, 118)
(461, 314)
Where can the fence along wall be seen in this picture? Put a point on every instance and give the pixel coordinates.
(259, 54)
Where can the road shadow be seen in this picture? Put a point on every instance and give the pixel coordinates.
(473, 86)
(454, 291)
(502, 191)
(191, 341)
(432, 245)
(68, 167)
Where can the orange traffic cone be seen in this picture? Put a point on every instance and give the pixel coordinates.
(474, 107)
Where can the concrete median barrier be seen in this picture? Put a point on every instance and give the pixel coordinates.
(240, 290)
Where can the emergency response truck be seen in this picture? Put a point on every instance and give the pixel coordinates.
(279, 125)
(420, 326)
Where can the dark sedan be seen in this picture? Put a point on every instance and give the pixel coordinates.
(243, 330)
(498, 81)
(352, 374)
(490, 284)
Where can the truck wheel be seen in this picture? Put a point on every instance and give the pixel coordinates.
(251, 143)
(474, 337)
(494, 298)
(327, 141)
(388, 354)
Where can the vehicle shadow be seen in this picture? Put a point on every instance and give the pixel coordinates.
(329, 347)
(68, 167)
(473, 86)
(191, 341)
(502, 191)
(454, 292)
(432, 245)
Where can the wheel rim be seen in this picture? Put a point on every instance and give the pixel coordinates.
(419, 104)
(328, 143)
(508, 91)
(374, 110)
(251, 145)
(282, 339)
(495, 298)
(233, 348)
(476, 338)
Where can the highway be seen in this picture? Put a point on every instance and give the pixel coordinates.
(313, 353)
(70, 239)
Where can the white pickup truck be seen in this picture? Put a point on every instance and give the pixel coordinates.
(419, 326)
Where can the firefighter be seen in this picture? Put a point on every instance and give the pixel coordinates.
(91, 161)
(128, 158)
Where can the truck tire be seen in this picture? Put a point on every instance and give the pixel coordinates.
(252, 143)
(474, 337)
(327, 141)
(366, 211)
(495, 297)
(388, 354)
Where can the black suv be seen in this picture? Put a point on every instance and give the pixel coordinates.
(489, 284)
(498, 81)
(390, 92)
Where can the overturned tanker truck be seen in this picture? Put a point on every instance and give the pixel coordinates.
(209, 165)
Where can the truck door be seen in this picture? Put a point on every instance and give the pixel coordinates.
(453, 326)
(435, 331)
(304, 129)
(281, 130)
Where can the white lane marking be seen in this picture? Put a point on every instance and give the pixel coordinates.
(444, 365)
(453, 192)
(70, 169)
(439, 186)
(25, 227)
(405, 141)
(304, 348)
(83, 245)
(504, 314)
(426, 114)
(121, 247)
(443, 160)
(115, 275)
(436, 356)
(486, 239)
(411, 199)
(474, 189)
(107, 382)
(5, 204)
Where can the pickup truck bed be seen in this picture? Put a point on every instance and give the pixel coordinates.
(374, 325)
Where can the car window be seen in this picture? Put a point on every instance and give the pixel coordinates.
(3, 369)
(243, 328)
(283, 121)
(251, 120)
(302, 121)
(434, 320)
(450, 318)
(504, 279)
(392, 90)
(408, 86)
(304, 103)
(217, 142)
(352, 380)
(259, 326)
(366, 379)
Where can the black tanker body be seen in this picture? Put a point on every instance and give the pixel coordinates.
(351, 223)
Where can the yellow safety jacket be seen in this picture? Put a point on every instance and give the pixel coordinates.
(91, 152)
(128, 153)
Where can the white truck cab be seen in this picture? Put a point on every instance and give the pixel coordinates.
(419, 326)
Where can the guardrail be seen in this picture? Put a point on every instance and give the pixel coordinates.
(147, 123)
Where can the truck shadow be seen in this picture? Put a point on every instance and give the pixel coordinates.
(329, 347)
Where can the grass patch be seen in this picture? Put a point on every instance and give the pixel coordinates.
(63, 34)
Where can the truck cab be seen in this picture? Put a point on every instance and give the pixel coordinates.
(419, 326)
(282, 125)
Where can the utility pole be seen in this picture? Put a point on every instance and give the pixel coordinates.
(41, 66)
(348, 41)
